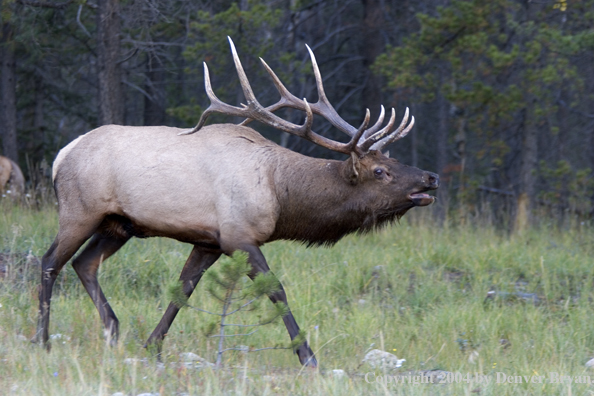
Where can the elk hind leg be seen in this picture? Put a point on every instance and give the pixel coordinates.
(69, 239)
(86, 264)
(199, 261)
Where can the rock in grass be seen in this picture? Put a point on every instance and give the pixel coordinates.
(190, 357)
(60, 337)
(338, 373)
(590, 363)
(382, 360)
(133, 361)
(436, 376)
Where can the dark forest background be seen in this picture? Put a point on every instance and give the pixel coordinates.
(502, 90)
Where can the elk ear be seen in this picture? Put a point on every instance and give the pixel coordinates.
(351, 169)
(387, 154)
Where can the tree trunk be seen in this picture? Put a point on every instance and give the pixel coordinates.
(442, 157)
(39, 123)
(414, 141)
(527, 175)
(591, 152)
(373, 45)
(111, 99)
(154, 106)
(590, 133)
(8, 113)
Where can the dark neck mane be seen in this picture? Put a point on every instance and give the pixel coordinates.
(320, 208)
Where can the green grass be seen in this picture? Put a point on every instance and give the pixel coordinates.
(417, 291)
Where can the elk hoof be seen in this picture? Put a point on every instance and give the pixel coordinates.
(38, 340)
(306, 356)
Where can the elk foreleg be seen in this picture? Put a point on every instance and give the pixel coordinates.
(259, 265)
(86, 264)
(199, 261)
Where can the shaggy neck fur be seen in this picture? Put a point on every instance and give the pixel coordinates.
(320, 206)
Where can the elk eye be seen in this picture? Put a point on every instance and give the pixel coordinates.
(378, 172)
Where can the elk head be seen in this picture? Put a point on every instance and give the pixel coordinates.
(397, 186)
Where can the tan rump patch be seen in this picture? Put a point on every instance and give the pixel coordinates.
(63, 153)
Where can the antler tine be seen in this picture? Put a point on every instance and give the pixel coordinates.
(402, 124)
(216, 105)
(287, 98)
(378, 123)
(321, 93)
(394, 137)
(243, 80)
(368, 142)
(323, 105)
(352, 145)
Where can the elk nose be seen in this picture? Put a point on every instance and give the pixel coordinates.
(432, 180)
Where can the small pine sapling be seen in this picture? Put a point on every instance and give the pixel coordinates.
(226, 285)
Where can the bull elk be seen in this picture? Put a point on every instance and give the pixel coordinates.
(222, 188)
(11, 177)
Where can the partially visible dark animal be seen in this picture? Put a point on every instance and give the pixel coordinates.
(222, 188)
(11, 177)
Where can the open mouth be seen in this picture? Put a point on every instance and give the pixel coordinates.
(421, 199)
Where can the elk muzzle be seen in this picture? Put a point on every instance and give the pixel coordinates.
(430, 181)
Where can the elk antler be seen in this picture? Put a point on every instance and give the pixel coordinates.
(362, 139)
(373, 138)
(256, 111)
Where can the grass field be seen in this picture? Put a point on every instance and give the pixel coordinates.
(461, 299)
